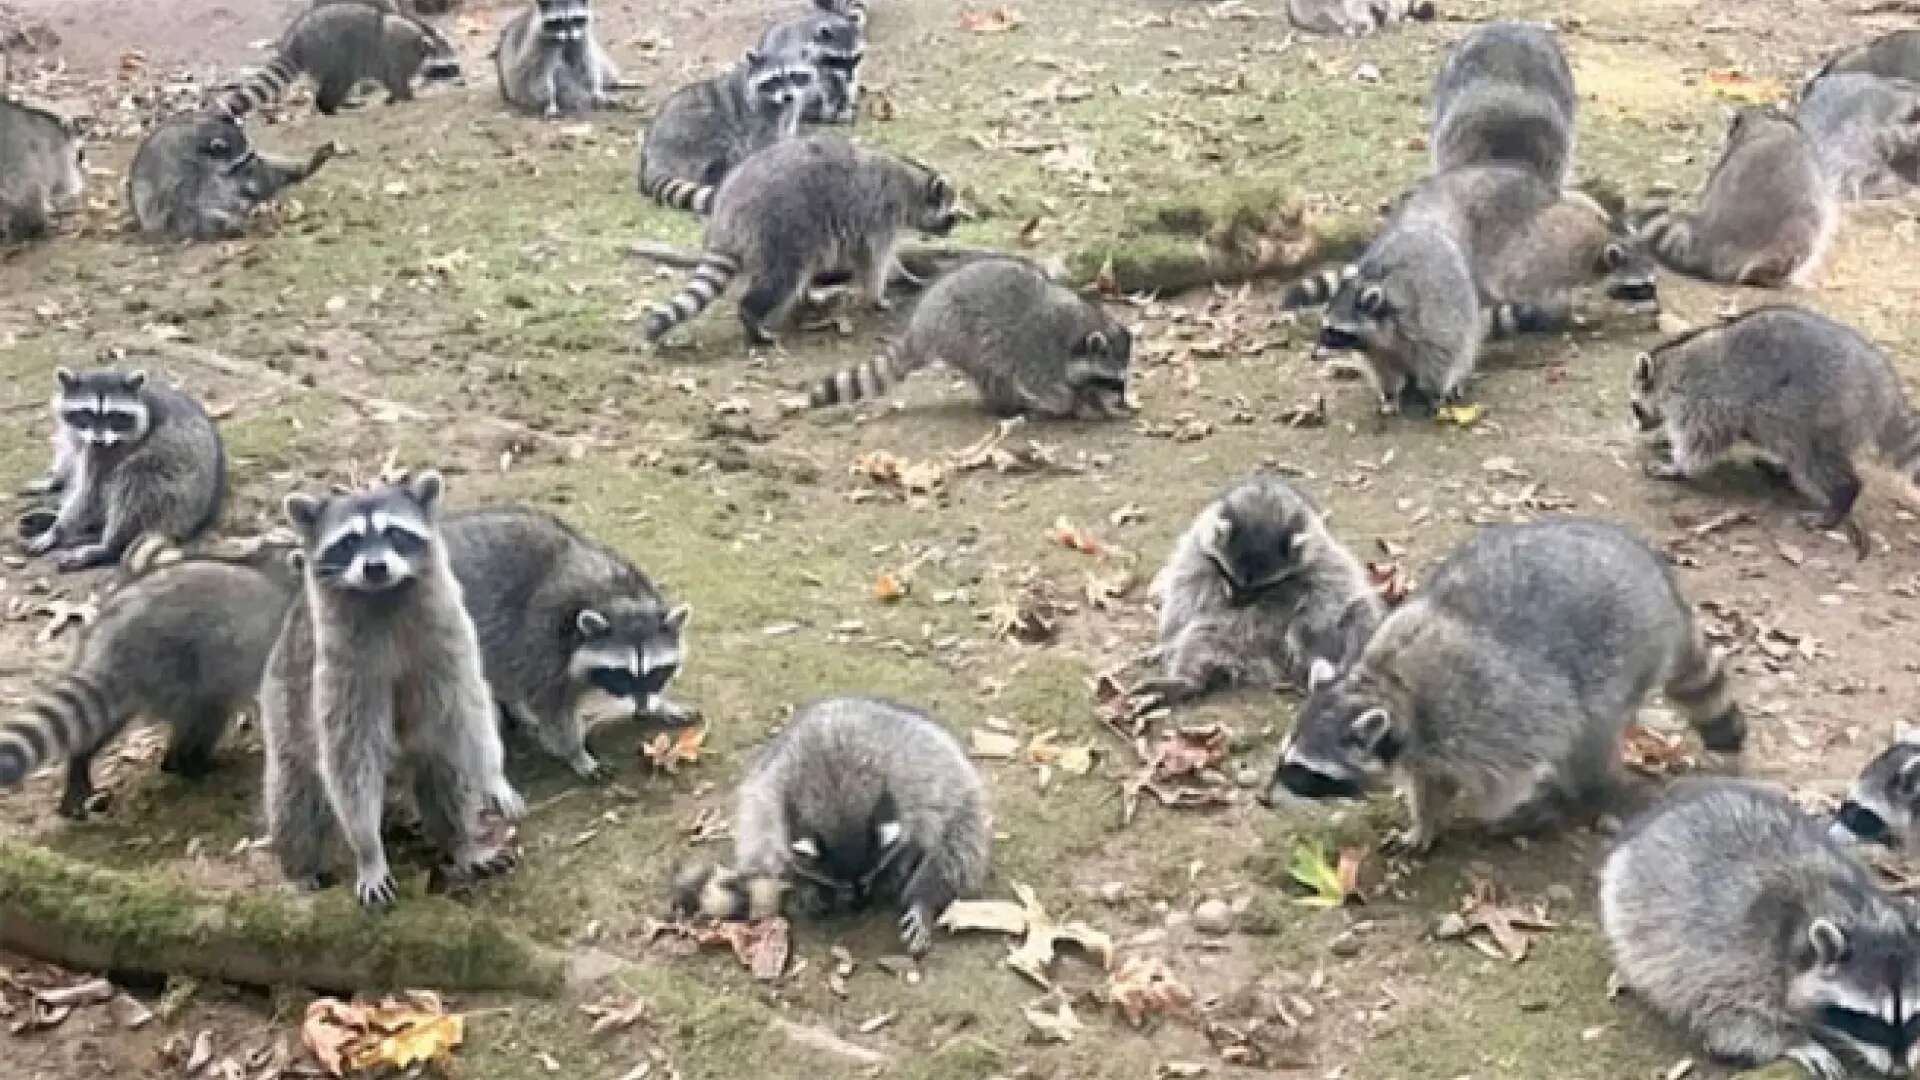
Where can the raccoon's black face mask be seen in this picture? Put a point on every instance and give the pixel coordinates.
(1303, 782)
(1865, 825)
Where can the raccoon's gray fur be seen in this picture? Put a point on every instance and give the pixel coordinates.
(44, 170)
(1883, 805)
(855, 801)
(1892, 56)
(376, 666)
(1766, 214)
(1809, 394)
(197, 177)
(340, 44)
(855, 10)
(800, 208)
(1867, 131)
(562, 619)
(1030, 344)
(1355, 18)
(1256, 590)
(183, 643)
(550, 62)
(130, 455)
(707, 128)
(834, 46)
(1507, 681)
(1733, 915)
(1506, 94)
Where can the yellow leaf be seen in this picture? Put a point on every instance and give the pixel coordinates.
(1463, 416)
(1738, 86)
(419, 1037)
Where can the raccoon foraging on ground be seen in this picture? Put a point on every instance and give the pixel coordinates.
(854, 802)
(341, 44)
(1030, 344)
(378, 665)
(1883, 804)
(1766, 214)
(707, 128)
(562, 619)
(45, 170)
(550, 63)
(1890, 56)
(183, 642)
(1732, 914)
(1867, 132)
(1506, 94)
(1506, 683)
(834, 46)
(1355, 18)
(1809, 394)
(130, 456)
(197, 177)
(801, 208)
(1256, 590)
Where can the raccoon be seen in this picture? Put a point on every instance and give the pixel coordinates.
(46, 170)
(1355, 18)
(341, 44)
(197, 177)
(131, 455)
(550, 63)
(1891, 56)
(184, 642)
(1808, 393)
(1867, 131)
(561, 619)
(1767, 213)
(1732, 914)
(1506, 94)
(378, 665)
(855, 10)
(1884, 801)
(1256, 590)
(707, 128)
(855, 801)
(1030, 344)
(834, 46)
(800, 208)
(1507, 682)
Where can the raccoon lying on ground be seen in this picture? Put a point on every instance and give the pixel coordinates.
(44, 170)
(197, 177)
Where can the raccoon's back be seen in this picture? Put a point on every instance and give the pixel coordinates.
(1772, 181)
(1519, 54)
(835, 760)
(35, 149)
(1814, 374)
(792, 194)
(506, 557)
(517, 59)
(334, 35)
(998, 316)
(199, 626)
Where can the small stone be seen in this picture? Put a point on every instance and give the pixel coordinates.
(1213, 917)
(1367, 73)
(1113, 892)
(1178, 920)
(1450, 926)
(1246, 776)
(1560, 894)
(1346, 945)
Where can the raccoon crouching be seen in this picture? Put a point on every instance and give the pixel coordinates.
(704, 129)
(1867, 132)
(835, 46)
(1503, 687)
(197, 177)
(1255, 591)
(1811, 395)
(341, 44)
(562, 620)
(551, 64)
(1883, 804)
(854, 802)
(1730, 913)
(45, 170)
(1030, 344)
(1505, 95)
(1356, 18)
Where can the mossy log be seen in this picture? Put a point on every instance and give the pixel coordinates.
(92, 918)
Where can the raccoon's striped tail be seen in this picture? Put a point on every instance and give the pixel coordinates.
(149, 552)
(1698, 688)
(867, 379)
(1673, 239)
(263, 87)
(710, 279)
(717, 892)
(1512, 320)
(72, 715)
(677, 194)
(1316, 288)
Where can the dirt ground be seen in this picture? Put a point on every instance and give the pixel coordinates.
(455, 292)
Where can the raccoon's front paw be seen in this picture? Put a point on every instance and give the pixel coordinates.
(377, 890)
(1663, 469)
(1818, 1061)
(915, 933)
(1408, 842)
(1823, 521)
(41, 542)
(84, 558)
(489, 862)
(502, 799)
(42, 485)
(587, 767)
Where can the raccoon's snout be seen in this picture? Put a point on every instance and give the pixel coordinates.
(1862, 824)
(1333, 337)
(1635, 291)
(441, 70)
(940, 224)
(375, 572)
(1296, 779)
(1645, 419)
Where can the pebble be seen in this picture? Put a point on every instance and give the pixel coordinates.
(1213, 917)
(1346, 945)
(1113, 892)
(1246, 776)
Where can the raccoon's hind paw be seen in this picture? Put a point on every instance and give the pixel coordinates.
(376, 892)
(502, 799)
(915, 933)
(1818, 1061)
(587, 767)
(1823, 521)
(41, 542)
(84, 558)
(490, 862)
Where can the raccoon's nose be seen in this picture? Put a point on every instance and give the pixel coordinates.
(374, 571)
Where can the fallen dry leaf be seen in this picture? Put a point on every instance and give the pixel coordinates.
(1068, 535)
(669, 748)
(996, 745)
(887, 588)
(1500, 931)
(1144, 986)
(612, 1014)
(1329, 884)
(64, 613)
(395, 1034)
(1034, 955)
(762, 947)
(1653, 753)
(991, 21)
(1460, 416)
(1738, 86)
(889, 470)
(1052, 1019)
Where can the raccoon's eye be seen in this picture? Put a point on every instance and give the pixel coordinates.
(404, 541)
(77, 418)
(120, 422)
(337, 555)
(618, 682)
(1372, 300)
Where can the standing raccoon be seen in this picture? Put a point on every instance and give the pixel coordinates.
(378, 665)
(1807, 393)
(1883, 805)
(197, 177)
(561, 619)
(130, 456)
(834, 46)
(1767, 213)
(1355, 18)
(550, 63)
(1867, 131)
(184, 642)
(707, 128)
(1731, 914)
(1506, 95)
(1506, 683)
(44, 170)
(854, 802)
(801, 208)
(1255, 591)
(1030, 344)
(340, 45)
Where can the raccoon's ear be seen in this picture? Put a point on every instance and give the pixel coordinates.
(65, 377)
(303, 512)
(591, 623)
(1613, 256)
(296, 561)
(426, 488)
(1095, 344)
(1909, 779)
(1299, 540)
(1372, 299)
(1371, 726)
(1320, 673)
(135, 379)
(676, 619)
(889, 833)
(1828, 940)
(751, 57)
(1643, 367)
(939, 192)
(806, 846)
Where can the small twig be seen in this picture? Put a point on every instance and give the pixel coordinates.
(827, 1042)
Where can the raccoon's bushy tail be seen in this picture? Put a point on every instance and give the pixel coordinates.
(710, 279)
(75, 713)
(677, 194)
(867, 379)
(149, 552)
(1674, 239)
(1512, 320)
(718, 892)
(263, 87)
(1316, 288)
(1698, 687)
